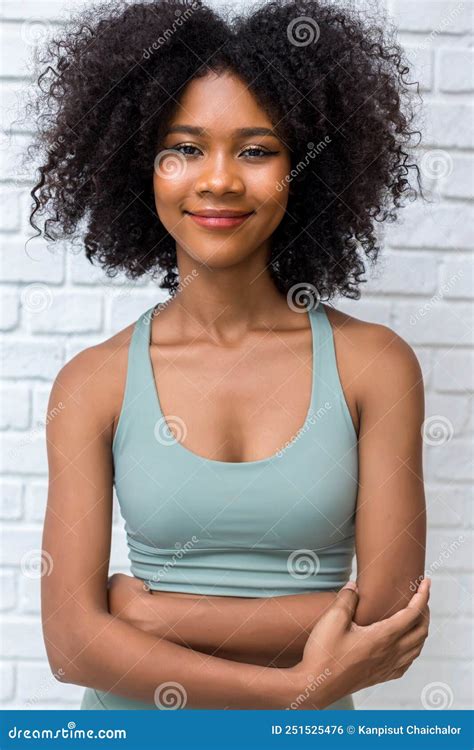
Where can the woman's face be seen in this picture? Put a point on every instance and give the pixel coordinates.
(206, 164)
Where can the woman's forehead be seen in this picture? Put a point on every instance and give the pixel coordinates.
(220, 101)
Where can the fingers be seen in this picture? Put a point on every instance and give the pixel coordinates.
(409, 653)
(411, 644)
(413, 637)
(419, 600)
(341, 612)
(419, 629)
(404, 662)
(416, 609)
(410, 656)
(398, 673)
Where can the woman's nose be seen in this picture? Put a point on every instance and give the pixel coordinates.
(219, 174)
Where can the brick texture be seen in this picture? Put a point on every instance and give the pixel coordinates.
(55, 304)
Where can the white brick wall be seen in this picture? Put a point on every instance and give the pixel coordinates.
(423, 289)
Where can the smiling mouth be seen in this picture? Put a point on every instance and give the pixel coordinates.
(219, 220)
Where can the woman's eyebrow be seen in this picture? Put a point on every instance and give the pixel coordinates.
(243, 132)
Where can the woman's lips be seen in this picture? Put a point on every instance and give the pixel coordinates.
(219, 222)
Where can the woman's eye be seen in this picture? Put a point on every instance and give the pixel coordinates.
(262, 151)
(253, 151)
(184, 146)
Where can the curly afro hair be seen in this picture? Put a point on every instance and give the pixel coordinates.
(108, 87)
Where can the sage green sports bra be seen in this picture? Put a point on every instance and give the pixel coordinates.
(276, 526)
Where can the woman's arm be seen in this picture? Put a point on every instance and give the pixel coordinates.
(93, 648)
(270, 631)
(390, 519)
(353, 656)
(384, 374)
(390, 527)
(90, 646)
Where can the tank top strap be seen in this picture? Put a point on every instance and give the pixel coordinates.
(138, 368)
(327, 383)
(326, 386)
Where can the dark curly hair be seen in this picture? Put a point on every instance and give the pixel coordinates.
(108, 87)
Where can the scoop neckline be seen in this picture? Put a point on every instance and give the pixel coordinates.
(311, 313)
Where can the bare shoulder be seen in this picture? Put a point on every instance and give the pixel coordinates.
(91, 384)
(377, 360)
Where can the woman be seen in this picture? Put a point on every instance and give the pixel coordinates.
(255, 435)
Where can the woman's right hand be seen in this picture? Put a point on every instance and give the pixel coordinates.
(343, 657)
